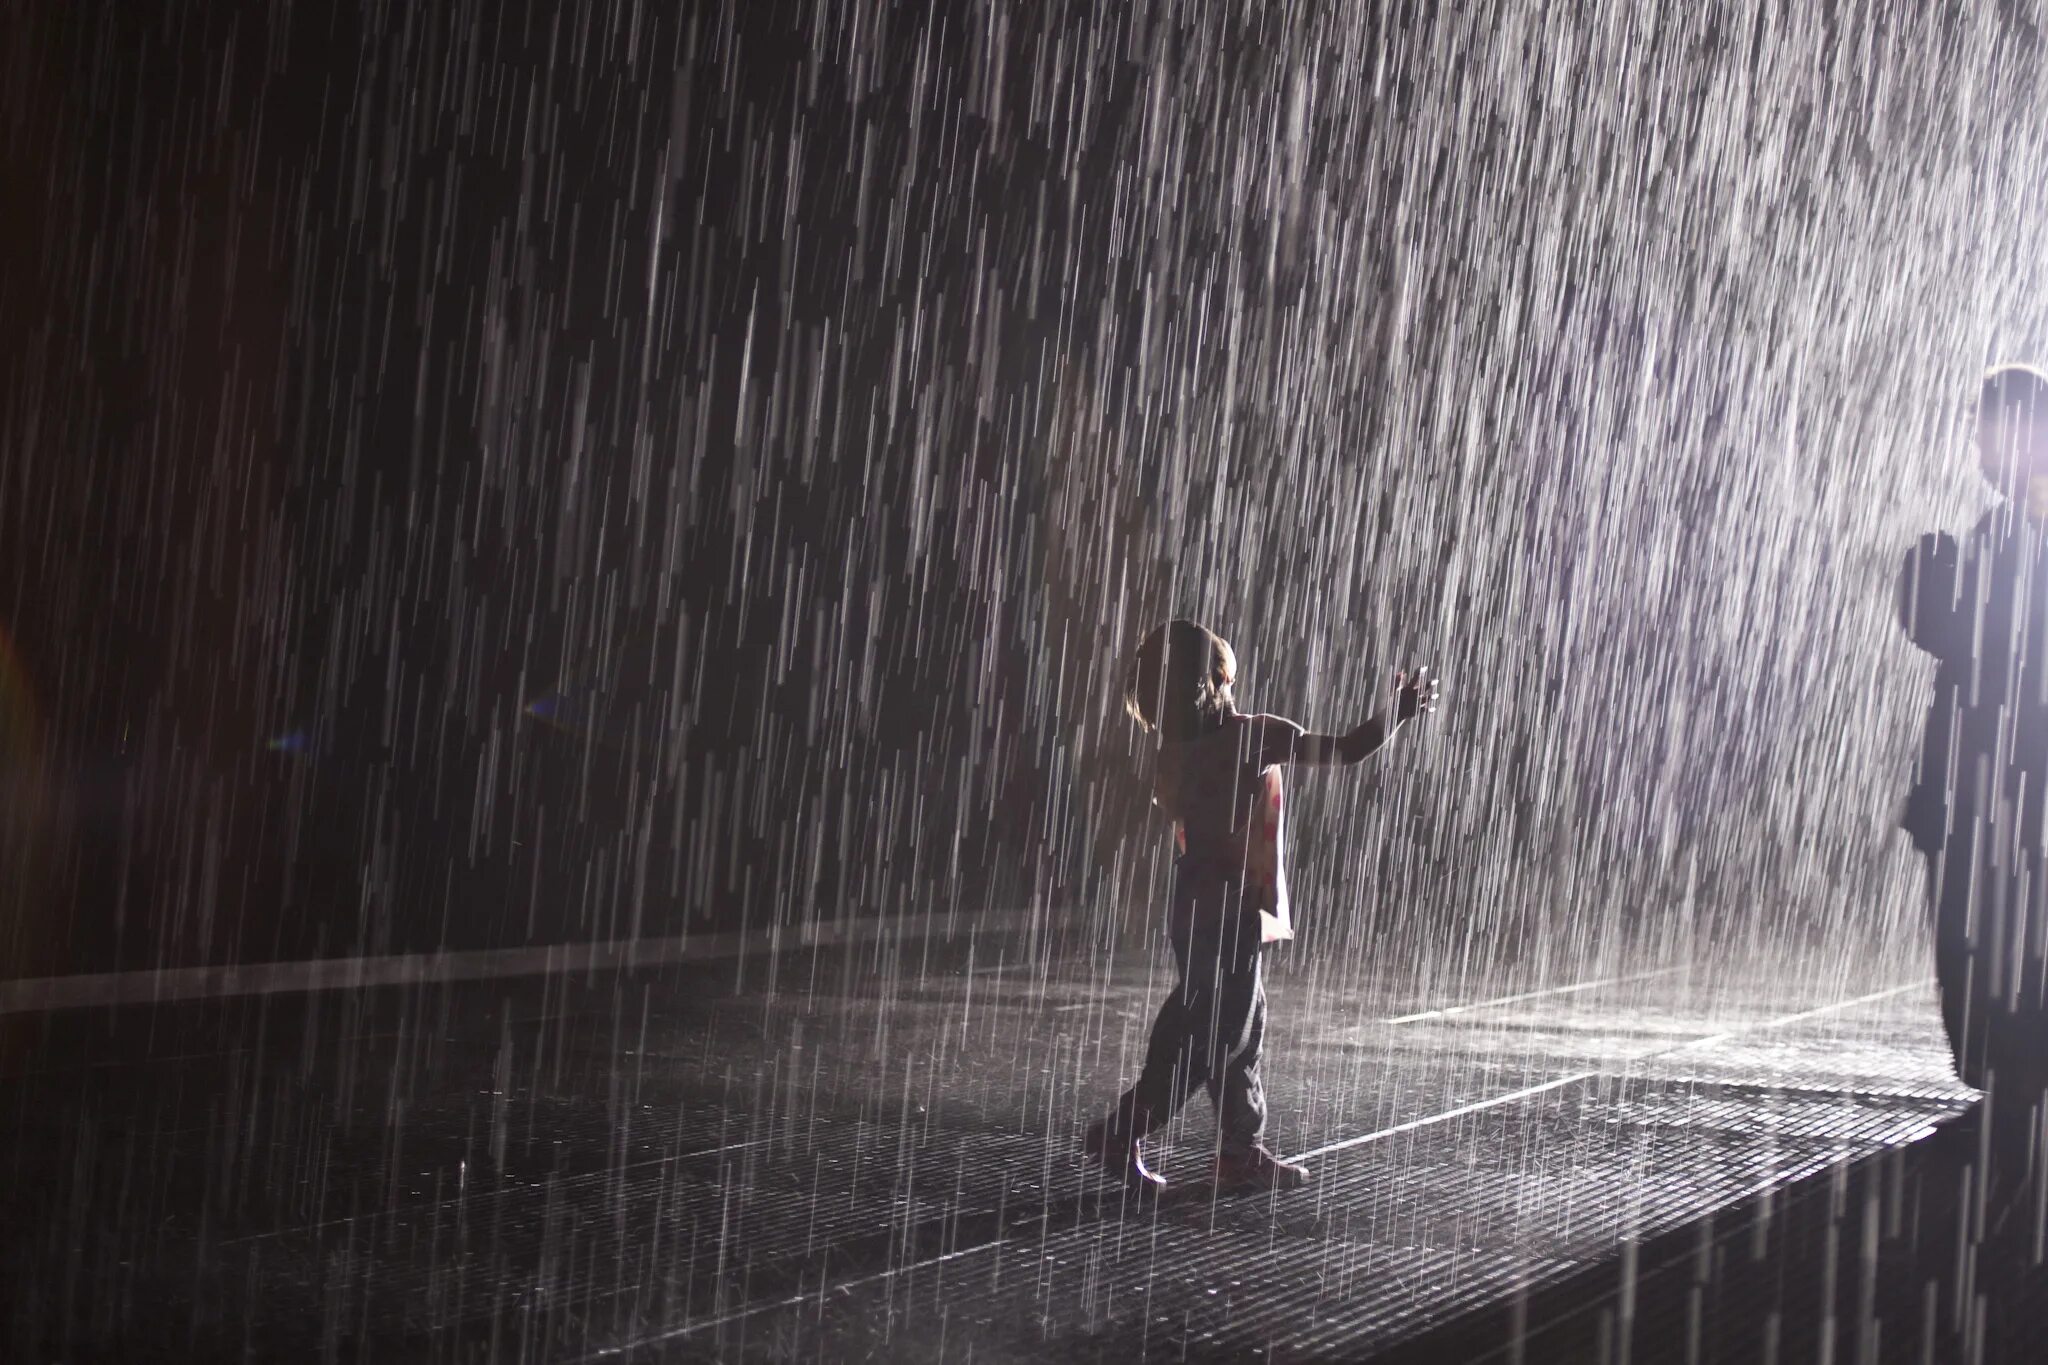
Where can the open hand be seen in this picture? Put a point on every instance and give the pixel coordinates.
(1414, 694)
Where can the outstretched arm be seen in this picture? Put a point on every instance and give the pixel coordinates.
(1353, 746)
(1282, 741)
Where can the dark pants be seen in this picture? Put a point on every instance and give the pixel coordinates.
(1989, 897)
(1210, 1027)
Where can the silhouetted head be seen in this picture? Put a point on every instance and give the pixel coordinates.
(1180, 682)
(2012, 435)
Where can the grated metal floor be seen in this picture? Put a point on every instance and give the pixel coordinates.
(661, 1167)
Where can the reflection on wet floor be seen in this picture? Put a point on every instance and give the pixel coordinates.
(653, 1167)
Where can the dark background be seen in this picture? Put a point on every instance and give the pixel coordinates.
(379, 372)
(481, 474)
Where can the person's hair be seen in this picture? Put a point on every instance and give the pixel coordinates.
(2011, 408)
(2016, 386)
(1179, 683)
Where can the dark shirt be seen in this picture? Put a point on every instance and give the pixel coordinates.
(1980, 607)
(1227, 804)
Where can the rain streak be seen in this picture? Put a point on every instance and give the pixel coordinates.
(568, 577)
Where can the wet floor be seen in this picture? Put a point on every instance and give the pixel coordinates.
(764, 1160)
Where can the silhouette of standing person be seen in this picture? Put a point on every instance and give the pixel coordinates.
(1976, 810)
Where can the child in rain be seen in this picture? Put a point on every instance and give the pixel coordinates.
(1976, 810)
(1218, 778)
